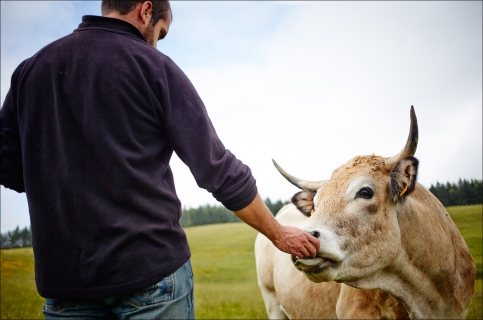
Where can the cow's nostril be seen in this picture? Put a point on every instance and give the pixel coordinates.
(315, 234)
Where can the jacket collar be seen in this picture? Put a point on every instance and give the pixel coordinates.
(109, 24)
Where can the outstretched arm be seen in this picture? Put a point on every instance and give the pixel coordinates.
(287, 239)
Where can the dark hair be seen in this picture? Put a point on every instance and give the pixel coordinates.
(161, 8)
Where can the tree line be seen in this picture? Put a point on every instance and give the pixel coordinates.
(208, 214)
(17, 238)
(450, 194)
(459, 194)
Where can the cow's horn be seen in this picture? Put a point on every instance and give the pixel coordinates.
(411, 145)
(299, 183)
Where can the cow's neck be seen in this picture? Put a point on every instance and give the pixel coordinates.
(433, 275)
(417, 293)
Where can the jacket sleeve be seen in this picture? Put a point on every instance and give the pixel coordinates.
(11, 174)
(194, 139)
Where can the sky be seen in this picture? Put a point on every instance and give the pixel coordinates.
(309, 84)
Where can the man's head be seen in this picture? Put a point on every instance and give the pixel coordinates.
(151, 18)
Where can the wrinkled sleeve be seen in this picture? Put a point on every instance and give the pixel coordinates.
(194, 139)
(11, 174)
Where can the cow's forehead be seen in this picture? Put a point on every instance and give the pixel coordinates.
(367, 166)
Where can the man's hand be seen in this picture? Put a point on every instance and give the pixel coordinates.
(287, 239)
(297, 242)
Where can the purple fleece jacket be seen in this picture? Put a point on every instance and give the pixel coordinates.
(88, 128)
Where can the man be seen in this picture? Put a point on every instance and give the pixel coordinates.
(89, 126)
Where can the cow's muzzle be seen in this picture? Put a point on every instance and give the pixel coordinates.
(314, 265)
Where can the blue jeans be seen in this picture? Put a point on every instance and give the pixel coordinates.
(171, 298)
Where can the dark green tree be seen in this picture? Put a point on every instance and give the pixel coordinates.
(16, 238)
(459, 194)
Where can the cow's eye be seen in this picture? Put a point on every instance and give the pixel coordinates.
(365, 193)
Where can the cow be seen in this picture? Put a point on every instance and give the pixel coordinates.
(388, 248)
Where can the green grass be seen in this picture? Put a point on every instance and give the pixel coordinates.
(18, 294)
(475, 311)
(469, 222)
(224, 267)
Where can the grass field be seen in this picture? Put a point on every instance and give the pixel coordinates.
(224, 268)
(18, 295)
(469, 222)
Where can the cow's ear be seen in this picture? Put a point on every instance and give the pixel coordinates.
(402, 179)
(304, 201)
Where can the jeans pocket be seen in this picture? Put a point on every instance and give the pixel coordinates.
(56, 305)
(160, 292)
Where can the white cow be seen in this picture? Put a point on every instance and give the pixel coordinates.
(388, 247)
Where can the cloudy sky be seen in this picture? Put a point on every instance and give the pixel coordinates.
(309, 84)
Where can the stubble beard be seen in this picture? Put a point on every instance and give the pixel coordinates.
(149, 34)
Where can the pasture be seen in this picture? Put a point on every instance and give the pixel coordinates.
(224, 267)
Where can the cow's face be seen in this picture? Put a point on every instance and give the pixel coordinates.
(353, 215)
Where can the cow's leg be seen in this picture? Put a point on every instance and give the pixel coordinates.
(274, 309)
(264, 254)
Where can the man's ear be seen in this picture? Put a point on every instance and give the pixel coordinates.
(304, 201)
(146, 12)
(402, 179)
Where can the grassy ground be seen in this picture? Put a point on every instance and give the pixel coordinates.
(470, 224)
(224, 268)
(18, 295)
